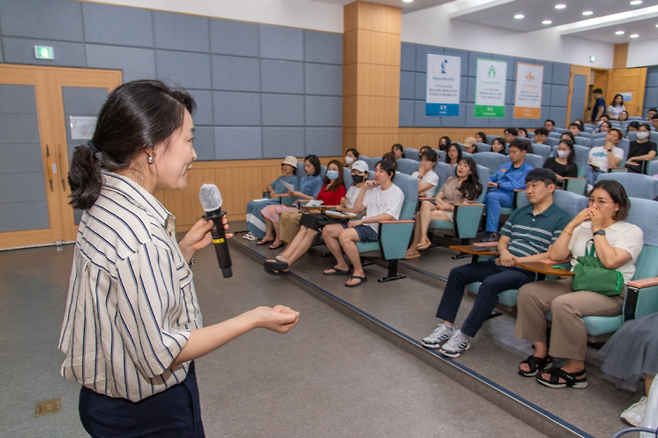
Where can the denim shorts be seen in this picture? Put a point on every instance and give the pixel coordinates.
(365, 232)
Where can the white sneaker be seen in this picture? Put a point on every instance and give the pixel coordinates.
(635, 414)
(441, 333)
(457, 343)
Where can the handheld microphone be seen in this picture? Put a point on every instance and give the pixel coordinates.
(211, 201)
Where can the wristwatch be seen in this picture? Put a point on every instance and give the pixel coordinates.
(599, 233)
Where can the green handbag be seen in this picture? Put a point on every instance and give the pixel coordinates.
(591, 275)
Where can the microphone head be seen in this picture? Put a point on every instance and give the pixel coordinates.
(210, 197)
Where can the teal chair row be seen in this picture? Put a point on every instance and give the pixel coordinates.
(635, 184)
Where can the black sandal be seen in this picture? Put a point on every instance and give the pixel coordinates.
(536, 364)
(571, 380)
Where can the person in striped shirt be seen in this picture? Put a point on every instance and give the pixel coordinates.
(525, 237)
(132, 324)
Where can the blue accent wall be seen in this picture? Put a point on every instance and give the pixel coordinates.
(262, 91)
(651, 90)
(413, 66)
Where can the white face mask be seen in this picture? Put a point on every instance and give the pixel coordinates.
(642, 135)
(563, 154)
(349, 160)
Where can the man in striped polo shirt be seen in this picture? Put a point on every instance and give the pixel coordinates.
(525, 237)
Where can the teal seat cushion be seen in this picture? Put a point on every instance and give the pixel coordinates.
(600, 325)
(367, 246)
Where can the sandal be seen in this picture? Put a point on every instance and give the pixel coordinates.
(571, 380)
(424, 245)
(281, 243)
(356, 277)
(334, 271)
(536, 364)
(263, 242)
(275, 272)
(275, 265)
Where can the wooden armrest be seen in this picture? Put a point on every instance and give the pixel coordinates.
(486, 244)
(466, 205)
(519, 190)
(617, 168)
(645, 282)
(426, 199)
(573, 177)
(409, 221)
(554, 262)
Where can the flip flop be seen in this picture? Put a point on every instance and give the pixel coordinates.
(275, 272)
(264, 242)
(361, 281)
(337, 272)
(275, 265)
(277, 246)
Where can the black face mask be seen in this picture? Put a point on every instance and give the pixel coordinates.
(358, 179)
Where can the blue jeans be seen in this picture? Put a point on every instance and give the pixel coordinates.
(592, 175)
(496, 199)
(494, 278)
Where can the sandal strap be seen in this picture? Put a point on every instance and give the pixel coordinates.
(536, 364)
(569, 378)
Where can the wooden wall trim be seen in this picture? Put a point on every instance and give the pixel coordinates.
(620, 57)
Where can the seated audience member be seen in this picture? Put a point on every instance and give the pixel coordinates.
(568, 136)
(276, 191)
(311, 223)
(309, 187)
(633, 126)
(444, 142)
(603, 158)
(549, 125)
(650, 113)
(382, 201)
(616, 107)
(654, 122)
(541, 134)
(428, 180)
(331, 193)
(522, 132)
(351, 155)
(604, 126)
(510, 134)
(464, 188)
(397, 151)
(390, 157)
(510, 177)
(580, 122)
(630, 357)
(575, 129)
(525, 237)
(470, 145)
(623, 116)
(481, 137)
(423, 149)
(498, 145)
(641, 149)
(563, 165)
(599, 227)
(454, 154)
(605, 118)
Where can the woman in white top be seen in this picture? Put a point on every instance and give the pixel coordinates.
(132, 326)
(428, 180)
(617, 244)
(616, 107)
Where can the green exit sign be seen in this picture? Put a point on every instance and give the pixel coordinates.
(44, 52)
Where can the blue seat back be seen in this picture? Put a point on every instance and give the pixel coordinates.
(490, 160)
(541, 149)
(600, 141)
(583, 141)
(441, 154)
(409, 186)
(536, 161)
(569, 202)
(552, 141)
(632, 136)
(444, 171)
(483, 147)
(408, 166)
(636, 185)
(554, 134)
(372, 162)
(653, 168)
(586, 134)
(411, 153)
(483, 176)
(643, 213)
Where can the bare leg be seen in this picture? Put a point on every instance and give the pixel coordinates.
(305, 243)
(648, 380)
(347, 237)
(426, 209)
(330, 235)
(277, 234)
(572, 366)
(268, 230)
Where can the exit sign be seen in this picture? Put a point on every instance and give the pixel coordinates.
(44, 52)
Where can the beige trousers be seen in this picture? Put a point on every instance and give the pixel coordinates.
(289, 225)
(568, 335)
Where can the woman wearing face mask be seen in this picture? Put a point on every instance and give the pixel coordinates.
(351, 156)
(444, 142)
(641, 149)
(563, 165)
(311, 223)
(331, 193)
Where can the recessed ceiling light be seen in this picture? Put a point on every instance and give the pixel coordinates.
(634, 35)
(407, 1)
(550, 22)
(560, 6)
(619, 32)
(636, 2)
(588, 13)
(519, 16)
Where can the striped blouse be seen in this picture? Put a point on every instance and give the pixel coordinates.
(131, 302)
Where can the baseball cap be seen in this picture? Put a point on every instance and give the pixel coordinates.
(360, 165)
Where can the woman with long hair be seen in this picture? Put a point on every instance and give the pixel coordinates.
(453, 154)
(616, 107)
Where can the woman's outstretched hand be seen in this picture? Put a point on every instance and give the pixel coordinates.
(278, 318)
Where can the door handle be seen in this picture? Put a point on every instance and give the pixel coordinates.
(59, 161)
(51, 167)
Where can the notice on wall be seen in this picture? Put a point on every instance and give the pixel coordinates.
(529, 85)
(490, 85)
(443, 82)
(82, 128)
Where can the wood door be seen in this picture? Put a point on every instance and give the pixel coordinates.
(34, 192)
(627, 81)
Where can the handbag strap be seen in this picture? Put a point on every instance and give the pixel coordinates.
(592, 249)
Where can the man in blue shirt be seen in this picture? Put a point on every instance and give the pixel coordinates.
(510, 177)
(599, 105)
(525, 237)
